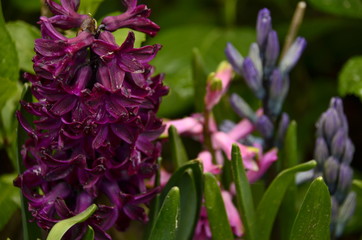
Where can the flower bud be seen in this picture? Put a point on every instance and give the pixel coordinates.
(331, 169)
(235, 58)
(254, 54)
(346, 211)
(348, 152)
(272, 49)
(339, 143)
(263, 26)
(282, 129)
(344, 178)
(253, 78)
(293, 54)
(321, 152)
(242, 108)
(278, 90)
(265, 126)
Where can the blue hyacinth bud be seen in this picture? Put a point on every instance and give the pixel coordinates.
(263, 26)
(348, 152)
(234, 58)
(329, 124)
(338, 143)
(337, 104)
(344, 180)
(272, 49)
(346, 211)
(254, 54)
(321, 152)
(265, 126)
(279, 86)
(293, 54)
(282, 129)
(253, 78)
(242, 108)
(335, 209)
(331, 169)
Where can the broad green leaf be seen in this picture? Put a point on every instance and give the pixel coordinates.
(167, 222)
(178, 152)
(313, 219)
(174, 59)
(347, 8)
(24, 35)
(216, 213)
(60, 228)
(350, 78)
(272, 198)
(89, 235)
(189, 206)
(243, 193)
(199, 77)
(188, 178)
(9, 63)
(9, 199)
(289, 158)
(30, 229)
(89, 6)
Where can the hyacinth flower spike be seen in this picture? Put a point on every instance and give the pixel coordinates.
(268, 79)
(94, 137)
(334, 152)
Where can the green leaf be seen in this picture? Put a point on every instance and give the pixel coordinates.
(347, 8)
(289, 158)
(9, 199)
(9, 63)
(199, 77)
(8, 89)
(350, 78)
(188, 178)
(243, 193)
(272, 198)
(167, 222)
(178, 152)
(216, 213)
(60, 228)
(89, 6)
(313, 219)
(24, 35)
(89, 235)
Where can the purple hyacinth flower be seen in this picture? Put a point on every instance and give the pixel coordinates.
(96, 124)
